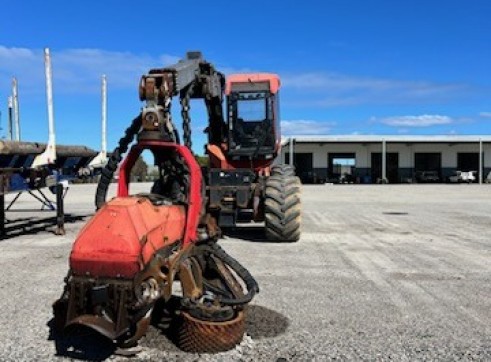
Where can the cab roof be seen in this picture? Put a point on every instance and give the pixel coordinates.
(272, 79)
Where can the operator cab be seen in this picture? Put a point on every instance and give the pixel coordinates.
(253, 116)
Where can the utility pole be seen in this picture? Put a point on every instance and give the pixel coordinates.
(384, 161)
(104, 115)
(15, 99)
(49, 154)
(10, 115)
(49, 99)
(291, 151)
(480, 162)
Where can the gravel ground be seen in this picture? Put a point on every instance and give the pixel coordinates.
(389, 272)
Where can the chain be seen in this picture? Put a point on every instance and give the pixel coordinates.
(168, 124)
(186, 121)
(112, 164)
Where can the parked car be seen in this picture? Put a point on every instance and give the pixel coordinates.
(310, 177)
(347, 178)
(427, 176)
(488, 178)
(457, 177)
(461, 176)
(333, 178)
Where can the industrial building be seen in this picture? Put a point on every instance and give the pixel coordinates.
(391, 158)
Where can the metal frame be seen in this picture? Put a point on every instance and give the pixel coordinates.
(194, 197)
(58, 206)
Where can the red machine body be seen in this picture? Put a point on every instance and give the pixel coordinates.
(126, 259)
(124, 235)
(194, 198)
(259, 92)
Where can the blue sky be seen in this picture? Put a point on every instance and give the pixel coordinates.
(347, 67)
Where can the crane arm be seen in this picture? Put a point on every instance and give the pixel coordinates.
(190, 78)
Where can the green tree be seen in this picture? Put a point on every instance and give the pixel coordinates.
(139, 170)
(202, 160)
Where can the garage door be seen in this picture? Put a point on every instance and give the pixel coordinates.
(303, 163)
(341, 164)
(468, 161)
(428, 161)
(392, 170)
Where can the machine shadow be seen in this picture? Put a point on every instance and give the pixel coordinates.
(250, 233)
(166, 321)
(80, 343)
(260, 322)
(32, 226)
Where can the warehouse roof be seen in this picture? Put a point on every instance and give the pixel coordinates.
(387, 138)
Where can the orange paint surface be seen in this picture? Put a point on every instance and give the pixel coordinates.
(124, 235)
(273, 79)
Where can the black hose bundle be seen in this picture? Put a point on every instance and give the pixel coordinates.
(243, 273)
(116, 157)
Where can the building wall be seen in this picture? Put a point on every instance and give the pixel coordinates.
(406, 153)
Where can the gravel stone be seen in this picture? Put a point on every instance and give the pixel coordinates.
(381, 273)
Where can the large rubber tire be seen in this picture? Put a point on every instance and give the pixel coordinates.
(199, 336)
(282, 208)
(282, 170)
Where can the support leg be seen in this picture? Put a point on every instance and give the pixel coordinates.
(13, 201)
(2, 215)
(44, 200)
(60, 210)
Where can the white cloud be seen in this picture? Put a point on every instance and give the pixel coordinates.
(485, 114)
(332, 81)
(332, 89)
(77, 70)
(425, 120)
(306, 127)
(230, 70)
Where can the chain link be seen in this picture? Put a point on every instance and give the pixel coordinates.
(116, 157)
(186, 121)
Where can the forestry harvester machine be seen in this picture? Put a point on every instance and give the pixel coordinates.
(127, 259)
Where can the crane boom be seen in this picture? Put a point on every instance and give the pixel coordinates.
(190, 78)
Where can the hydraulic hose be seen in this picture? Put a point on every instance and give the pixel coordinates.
(243, 273)
(116, 157)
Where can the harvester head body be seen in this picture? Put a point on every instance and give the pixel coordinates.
(129, 254)
(123, 237)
